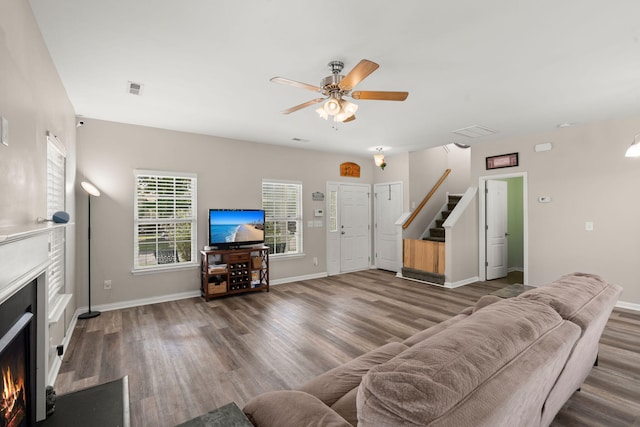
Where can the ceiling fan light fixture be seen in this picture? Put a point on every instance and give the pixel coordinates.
(322, 113)
(349, 107)
(332, 106)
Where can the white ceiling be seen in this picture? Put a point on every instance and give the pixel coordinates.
(515, 66)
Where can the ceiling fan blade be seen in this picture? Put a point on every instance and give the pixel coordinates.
(349, 119)
(290, 82)
(379, 95)
(358, 74)
(301, 106)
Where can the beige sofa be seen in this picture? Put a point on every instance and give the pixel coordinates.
(511, 362)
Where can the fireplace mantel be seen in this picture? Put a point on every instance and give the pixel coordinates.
(24, 257)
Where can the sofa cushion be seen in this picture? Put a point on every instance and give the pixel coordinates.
(346, 407)
(577, 297)
(429, 379)
(427, 333)
(485, 301)
(286, 408)
(335, 383)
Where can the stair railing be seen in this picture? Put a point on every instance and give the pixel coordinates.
(426, 199)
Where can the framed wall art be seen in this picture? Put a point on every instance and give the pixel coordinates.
(502, 161)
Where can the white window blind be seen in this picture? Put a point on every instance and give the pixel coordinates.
(282, 203)
(165, 219)
(56, 183)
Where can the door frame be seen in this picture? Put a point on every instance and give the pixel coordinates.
(375, 224)
(331, 270)
(495, 234)
(482, 221)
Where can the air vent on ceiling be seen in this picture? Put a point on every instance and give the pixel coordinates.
(135, 88)
(475, 131)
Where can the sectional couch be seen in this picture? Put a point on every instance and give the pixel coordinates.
(502, 362)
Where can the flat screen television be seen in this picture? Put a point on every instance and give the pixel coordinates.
(235, 227)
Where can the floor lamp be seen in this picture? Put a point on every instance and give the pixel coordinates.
(91, 191)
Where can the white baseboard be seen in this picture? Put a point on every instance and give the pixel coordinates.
(54, 368)
(139, 302)
(461, 282)
(628, 305)
(298, 278)
(447, 285)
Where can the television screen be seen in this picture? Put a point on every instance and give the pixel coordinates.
(235, 227)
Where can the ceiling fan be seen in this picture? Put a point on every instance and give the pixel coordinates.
(336, 87)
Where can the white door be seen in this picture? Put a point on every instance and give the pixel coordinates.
(496, 229)
(354, 227)
(348, 228)
(387, 210)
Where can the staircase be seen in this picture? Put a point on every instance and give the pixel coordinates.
(424, 261)
(436, 234)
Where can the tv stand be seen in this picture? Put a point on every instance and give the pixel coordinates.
(233, 271)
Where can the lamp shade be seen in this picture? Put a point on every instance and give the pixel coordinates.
(90, 188)
(633, 150)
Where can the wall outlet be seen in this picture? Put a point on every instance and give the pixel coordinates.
(315, 260)
(107, 284)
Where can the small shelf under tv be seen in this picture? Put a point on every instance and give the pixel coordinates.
(229, 271)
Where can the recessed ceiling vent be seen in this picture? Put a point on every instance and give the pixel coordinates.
(475, 131)
(135, 88)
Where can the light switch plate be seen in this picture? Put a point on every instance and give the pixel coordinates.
(4, 131)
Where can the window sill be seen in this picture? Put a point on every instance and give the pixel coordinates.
(284, 257)
(58, 307)
(160, 269)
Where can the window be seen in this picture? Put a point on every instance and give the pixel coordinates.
(282, 203)
(56, 183)
(165, 220)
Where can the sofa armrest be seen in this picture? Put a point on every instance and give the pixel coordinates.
(289, 408)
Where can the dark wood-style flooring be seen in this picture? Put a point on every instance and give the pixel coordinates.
(185, 358)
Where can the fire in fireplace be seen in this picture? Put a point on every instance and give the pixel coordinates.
(14, 400)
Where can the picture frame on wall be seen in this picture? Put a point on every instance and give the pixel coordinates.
(502, 161)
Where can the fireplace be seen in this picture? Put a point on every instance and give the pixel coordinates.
(24, 258)
(18, 359)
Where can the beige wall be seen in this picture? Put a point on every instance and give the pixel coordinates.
(34, 101)
(588, 179)
(230, 174)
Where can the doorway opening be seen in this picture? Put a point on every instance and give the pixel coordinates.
(512, 223)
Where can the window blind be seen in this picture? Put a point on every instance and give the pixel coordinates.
(165, 219)
(56, 184)
(282, 203)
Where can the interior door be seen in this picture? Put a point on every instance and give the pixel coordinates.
(354, 227)
(387, 210)
(496, 229)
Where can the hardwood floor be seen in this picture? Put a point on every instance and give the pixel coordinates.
(185, 358)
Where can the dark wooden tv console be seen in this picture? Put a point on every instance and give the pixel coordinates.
(233, 271)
